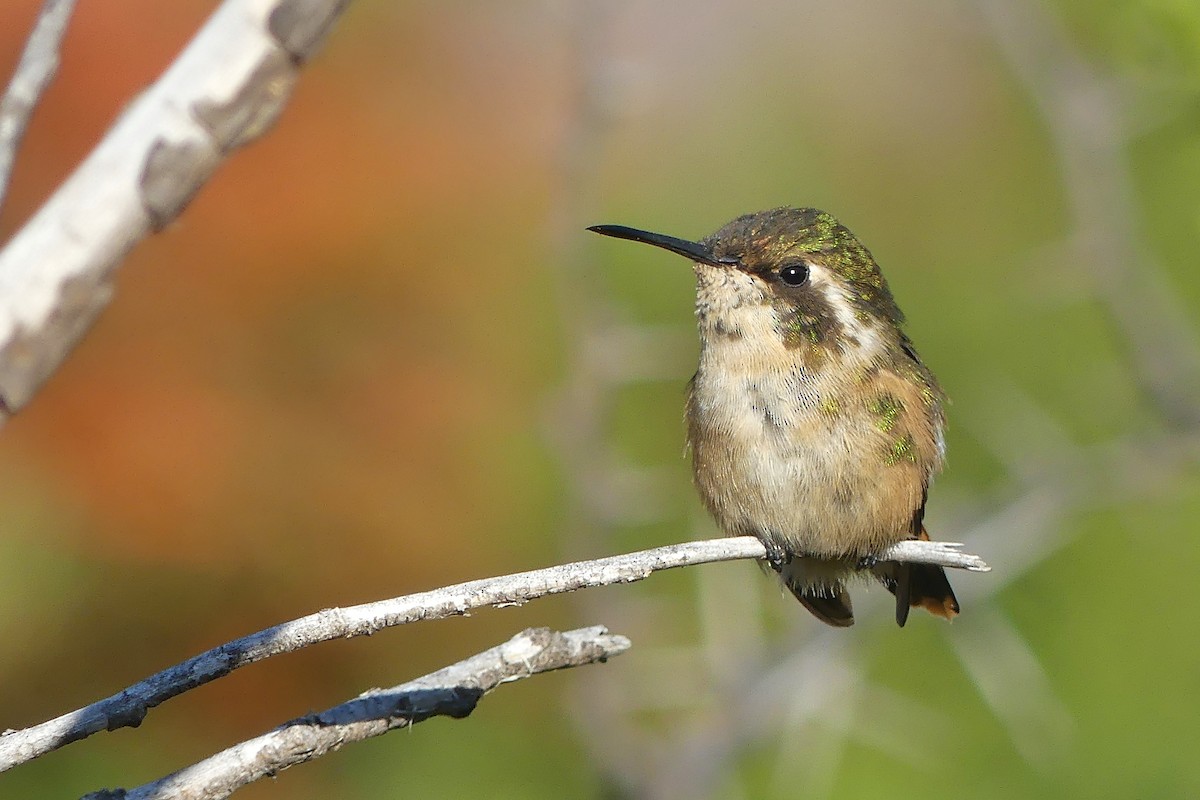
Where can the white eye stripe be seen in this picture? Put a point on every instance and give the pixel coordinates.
(836, 295)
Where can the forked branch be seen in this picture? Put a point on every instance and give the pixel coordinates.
(129, 707)
(452, 692)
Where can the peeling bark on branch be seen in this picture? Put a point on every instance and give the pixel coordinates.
(227, 88)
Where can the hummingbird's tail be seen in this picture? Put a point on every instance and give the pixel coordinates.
(923, 585)
(817, 585)
(832, 609)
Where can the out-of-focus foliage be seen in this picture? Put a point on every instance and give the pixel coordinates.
(340, 377)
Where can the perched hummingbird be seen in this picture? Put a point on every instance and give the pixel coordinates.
(813, 423)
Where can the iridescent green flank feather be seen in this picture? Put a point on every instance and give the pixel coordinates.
(887, 408)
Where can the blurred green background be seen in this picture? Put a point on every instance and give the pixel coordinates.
(379, 354)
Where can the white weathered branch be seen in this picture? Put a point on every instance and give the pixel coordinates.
(35, 70)
(129, 707)
(225, 89)
(942, 554)
(453, 692)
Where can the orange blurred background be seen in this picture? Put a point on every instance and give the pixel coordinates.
(308, 391)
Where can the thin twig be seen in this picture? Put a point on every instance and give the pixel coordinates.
(35, 70)
(129, 707)
(452, 692)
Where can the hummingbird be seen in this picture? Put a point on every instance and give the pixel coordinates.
(812, 422)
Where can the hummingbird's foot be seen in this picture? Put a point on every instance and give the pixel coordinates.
(866, 562)
(777, 558)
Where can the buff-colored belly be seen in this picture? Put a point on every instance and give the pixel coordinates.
(795, 463)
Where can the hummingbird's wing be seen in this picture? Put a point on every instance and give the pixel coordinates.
(921, 585)
(907, 346)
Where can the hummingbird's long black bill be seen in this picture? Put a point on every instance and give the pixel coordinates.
(693, 250)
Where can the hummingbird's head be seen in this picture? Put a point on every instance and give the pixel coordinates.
(819, 284)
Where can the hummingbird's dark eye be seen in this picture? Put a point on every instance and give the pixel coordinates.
(794, 274)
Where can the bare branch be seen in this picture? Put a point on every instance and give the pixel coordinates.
(451, 692)
(225, 89)
(33, 74)
(941, 554)
(129, 707)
